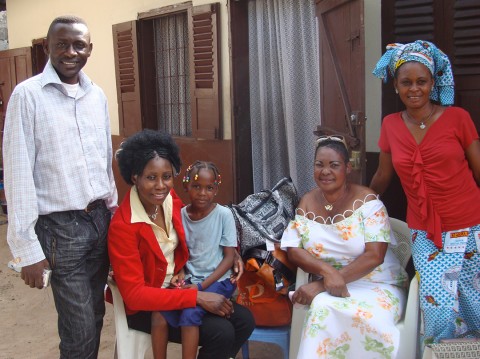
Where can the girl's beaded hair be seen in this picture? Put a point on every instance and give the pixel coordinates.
(194, 168)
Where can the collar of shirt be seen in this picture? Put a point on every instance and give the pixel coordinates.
(50, 76)
(140, 215)
(167, 243)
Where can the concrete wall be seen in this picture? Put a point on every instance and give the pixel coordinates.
(3, 31)
(373, 86)
(28, 20)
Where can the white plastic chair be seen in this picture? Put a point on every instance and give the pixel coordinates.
(298, 316)
(408, 324)
(129, 343)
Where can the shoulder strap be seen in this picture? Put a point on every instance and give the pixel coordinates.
(267, 256)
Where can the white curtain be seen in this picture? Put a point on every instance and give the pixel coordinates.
(171, 61)
(284, 90)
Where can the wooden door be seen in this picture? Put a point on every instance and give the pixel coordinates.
(242, 139)
(39, 57)
(15, 66)
(342, 75)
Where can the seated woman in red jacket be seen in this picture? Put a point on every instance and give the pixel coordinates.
(146, 244)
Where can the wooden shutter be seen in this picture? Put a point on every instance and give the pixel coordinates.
(466, 38)
(414, 20)
(465, 56)
(127, 75)
(205, 71)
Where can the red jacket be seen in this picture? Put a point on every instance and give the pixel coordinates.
(139, 265)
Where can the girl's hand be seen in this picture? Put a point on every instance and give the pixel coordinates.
(181, 274)
(177, 281)
(238, 268)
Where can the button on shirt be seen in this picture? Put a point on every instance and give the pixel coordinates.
(57, 155)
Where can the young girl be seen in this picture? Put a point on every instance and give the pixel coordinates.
(211, 240)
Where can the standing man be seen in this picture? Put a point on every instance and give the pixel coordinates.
(59, 185)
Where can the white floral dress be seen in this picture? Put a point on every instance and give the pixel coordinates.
(362, 325)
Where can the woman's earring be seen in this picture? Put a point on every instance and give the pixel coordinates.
(396, 91)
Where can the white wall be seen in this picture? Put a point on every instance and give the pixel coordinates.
(373, 85)
(28, 20)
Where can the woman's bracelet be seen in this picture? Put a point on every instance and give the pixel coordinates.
(199, 286)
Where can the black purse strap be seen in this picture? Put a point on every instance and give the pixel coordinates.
(282, 182)
(267, 257)
(255, 225)
(237, 225)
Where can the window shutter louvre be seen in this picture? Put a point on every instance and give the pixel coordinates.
(414, 20)
(205, 71)
(127, 76)
(466, 36)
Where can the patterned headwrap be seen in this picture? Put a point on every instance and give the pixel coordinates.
(427, 54)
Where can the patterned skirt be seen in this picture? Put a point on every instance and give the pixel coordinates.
(449, 284)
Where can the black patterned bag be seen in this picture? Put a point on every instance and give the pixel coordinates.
(264, 215)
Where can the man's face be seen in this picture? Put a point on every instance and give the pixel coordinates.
(69, 48)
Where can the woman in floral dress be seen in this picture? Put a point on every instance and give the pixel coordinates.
(341, 235)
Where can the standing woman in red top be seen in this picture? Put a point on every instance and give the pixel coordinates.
(435, 151)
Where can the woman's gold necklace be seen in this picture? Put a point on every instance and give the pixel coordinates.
(329, 206)
(153, 216)
(423, 122)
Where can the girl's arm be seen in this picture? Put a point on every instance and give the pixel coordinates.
(238, 267)
(223, 267)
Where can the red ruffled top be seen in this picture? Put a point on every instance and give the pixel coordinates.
(441, 192)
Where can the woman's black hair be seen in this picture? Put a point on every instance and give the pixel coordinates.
(135, 152)
(337, 146)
